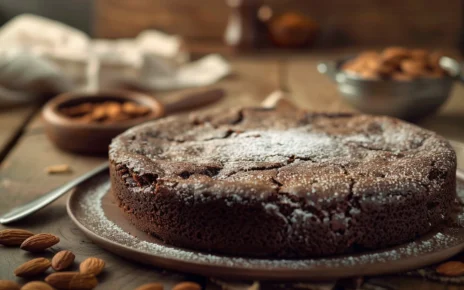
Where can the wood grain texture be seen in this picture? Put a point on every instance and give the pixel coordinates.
(12, 121)
(360, 22)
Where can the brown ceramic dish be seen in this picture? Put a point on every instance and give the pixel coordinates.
(94, 138)
(92, 208)
(74, 136)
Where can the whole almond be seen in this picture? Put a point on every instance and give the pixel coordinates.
(413, 68)
(9, 285)
(92, 266)
(72, 280)
(39, 242)
(134, 110)
(14, 237)
(37, 285)
(451, 268)
(151, 286)
(62, 260)
(187, 286)
(58, 169)
(113, 109)
(33, 267)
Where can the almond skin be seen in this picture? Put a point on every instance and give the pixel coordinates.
(37, 285)
(62, 260)
(33, 267)
(39, 242)
(451, 268)
(187, 286)
(151, 286)
(9, 285)
(14, 237)
(92, 266)
(72, 281)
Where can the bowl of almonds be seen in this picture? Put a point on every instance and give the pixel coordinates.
(400, 82)
(86, 122)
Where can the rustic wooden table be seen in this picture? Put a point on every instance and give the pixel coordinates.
(25, 151)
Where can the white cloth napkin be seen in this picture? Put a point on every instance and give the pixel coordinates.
(37, 50)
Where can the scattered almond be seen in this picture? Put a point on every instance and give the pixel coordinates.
(33, 267)
(397, 63)
(62, 260)
(72, 280)
(187, 286)
(58, 168)
(39, 242)
(14, 237)
(92, 266)
(113, 110)
(37, 285)
(133, 109)
(106, 112)
(9, 285)
(98, 114)
(451, 268)
(151, 286)
(412, 67)
(78, 111)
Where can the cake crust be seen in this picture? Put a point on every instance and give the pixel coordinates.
(282, 183)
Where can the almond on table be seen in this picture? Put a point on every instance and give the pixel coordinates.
(92, 266)
(39, 242)
(33, 267)
(58, 168)
(72, 280)
(37, 285)
(187, 286)
(9, 285)
(14, 237)
(150, 286)
(62, 260)
(451, 268)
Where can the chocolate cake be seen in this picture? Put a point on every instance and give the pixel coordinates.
(283, 183)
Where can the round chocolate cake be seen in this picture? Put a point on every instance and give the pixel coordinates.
(283, 183)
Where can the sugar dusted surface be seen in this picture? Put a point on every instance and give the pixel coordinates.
(238, 146)
(90, 214)
(321, 184)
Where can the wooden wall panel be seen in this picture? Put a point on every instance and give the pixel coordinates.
(197, 19)
(359, 22)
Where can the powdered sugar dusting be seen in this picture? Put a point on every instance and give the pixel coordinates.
(92, 217)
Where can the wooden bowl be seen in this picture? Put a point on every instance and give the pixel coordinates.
(92, 138)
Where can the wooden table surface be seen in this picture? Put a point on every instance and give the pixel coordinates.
(25, 151)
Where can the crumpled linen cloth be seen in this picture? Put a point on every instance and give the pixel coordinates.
(41, 56)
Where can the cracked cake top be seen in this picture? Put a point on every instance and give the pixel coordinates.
(264, 151)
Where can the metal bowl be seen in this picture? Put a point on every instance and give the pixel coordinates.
(408, 100)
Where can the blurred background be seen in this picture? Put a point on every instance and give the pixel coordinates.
(396, 58)
(360, 22)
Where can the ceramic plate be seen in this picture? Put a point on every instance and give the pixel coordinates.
(94, 211)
